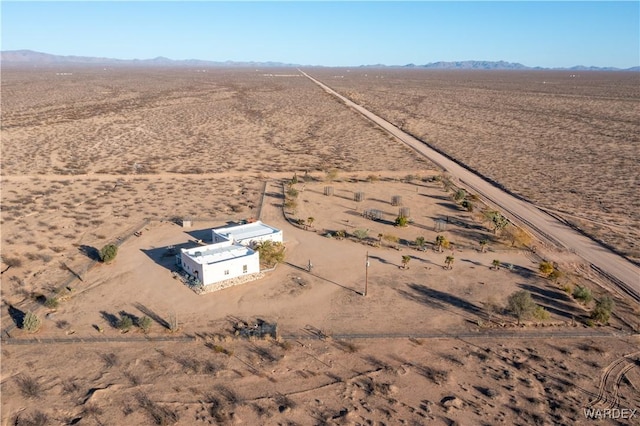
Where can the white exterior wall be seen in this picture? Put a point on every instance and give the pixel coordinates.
(248, 234)
(215, 271)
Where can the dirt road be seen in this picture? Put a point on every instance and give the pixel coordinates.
(622, 272)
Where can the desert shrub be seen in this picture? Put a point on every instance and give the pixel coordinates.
(442, 242)
(29, 387)
(110, 359)
(108, 253)
(292, 192)
(13, 262)
(402, 221)
(603, 309)
(31, 322)
(52, 302)
(36, 419)
(541, 313)
(372, 178)
(125, 323)
(467, 205)
(521, 305)
(583, 294)
(161, 416)
(361, 234)
(460, 195)
(555, 275)
(420, 242)
(546, 268)
(145, 324)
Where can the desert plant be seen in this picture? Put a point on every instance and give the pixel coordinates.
(108, 253)
(483, 246)
(460, 195)
(402, 221)
(124, 323)
(546, 268)
(583, 294)
(52, 302)
(292, 192)
(555, 275)
(603, 309)
(390, 238)
(31, 322)
(420, 242)
(332, 175)
(270, 252)
(405, 261)
(310, 220)
(341, 234)
(449, 262)
(496, 264)
(468, 205)
(361, 234)
(441, 242)
(521, 305)
(541, 313)
(498, 221)
(29, 387)
(145, 324)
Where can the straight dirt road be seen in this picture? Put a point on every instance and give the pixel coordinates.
(623, 273)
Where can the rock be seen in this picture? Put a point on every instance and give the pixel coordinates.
(451, 402)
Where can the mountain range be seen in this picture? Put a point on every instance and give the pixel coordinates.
(39, 59)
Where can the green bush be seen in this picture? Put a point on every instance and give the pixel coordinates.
(602, 311)
(31, 322)
(52, 303)
(125, 323)
(521, 305)
(582, 294)
(402, 221)
(108, 253)
(145, 324)
(541, 313)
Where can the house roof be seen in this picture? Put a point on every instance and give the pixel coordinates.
(247, 231)
(215, 253)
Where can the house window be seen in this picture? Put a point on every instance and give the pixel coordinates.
(226, 272)
(244, 269)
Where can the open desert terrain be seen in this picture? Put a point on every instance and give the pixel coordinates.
(98, 156)
(565, 140)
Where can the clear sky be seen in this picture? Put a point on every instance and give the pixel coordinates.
(548, 34)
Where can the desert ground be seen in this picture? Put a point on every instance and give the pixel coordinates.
(566, 140)
(102, 154)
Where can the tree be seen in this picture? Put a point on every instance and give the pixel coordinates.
(420, 242)
(270, 252)
(31, 322)
(583, 294)
(483, 246)
(449, 262)
(521, 305)
(602, 311)
(310, 220)
(108, 253)
(546, 268)
(405, 261)
(517, 236)
(496, 264)
(499, 222)
(441, 243)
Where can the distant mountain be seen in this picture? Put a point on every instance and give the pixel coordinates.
(475, 65)
(32, 58)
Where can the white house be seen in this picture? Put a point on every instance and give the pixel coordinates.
(219, 262)
(248, 234)
(231, 258)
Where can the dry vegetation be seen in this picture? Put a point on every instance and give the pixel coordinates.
(566, 140)
(89, 158)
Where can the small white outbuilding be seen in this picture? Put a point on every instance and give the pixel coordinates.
(247, 234)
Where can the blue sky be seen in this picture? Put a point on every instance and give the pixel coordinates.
(548, 34)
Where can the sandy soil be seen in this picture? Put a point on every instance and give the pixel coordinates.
(565, 140)
(426, 345)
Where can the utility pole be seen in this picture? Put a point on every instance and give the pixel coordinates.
(366, 274)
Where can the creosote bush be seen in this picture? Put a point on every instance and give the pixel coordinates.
(31, 322)
(108, 253)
